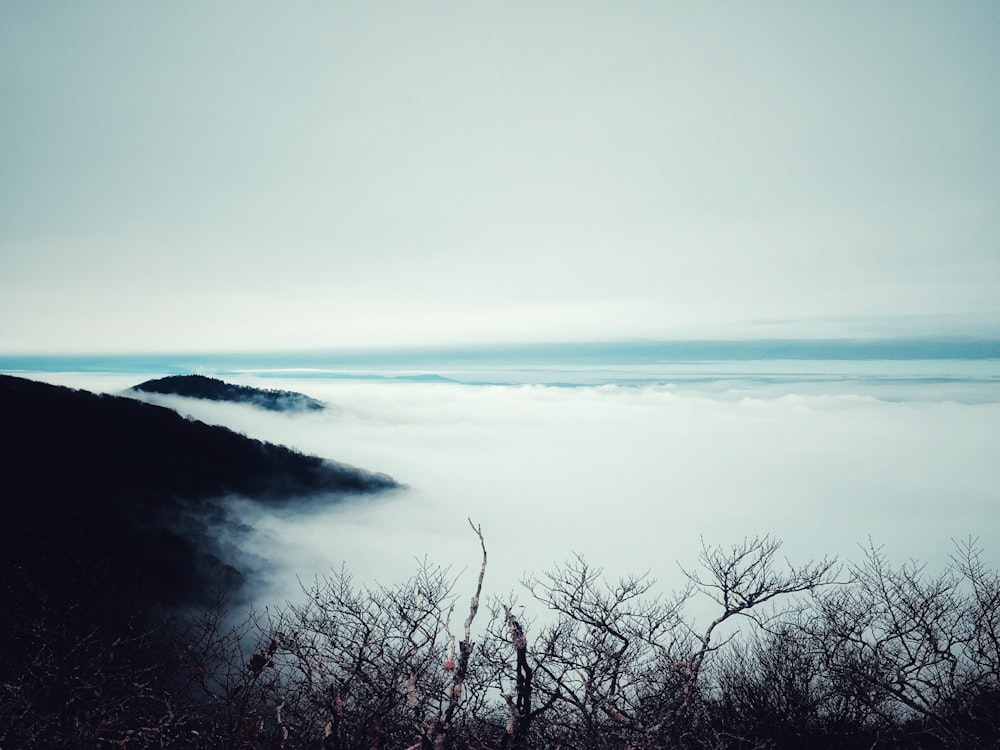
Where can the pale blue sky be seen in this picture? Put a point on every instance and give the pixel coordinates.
(194, 175)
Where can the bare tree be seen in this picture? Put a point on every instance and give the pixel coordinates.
(228, 688)
(437, 731)
(78, 667)
(917, 649)
(890, 656)
(982, 587)
(593, 665)
(621, 665)
(772, 689)
(742, 578)
(380, 667)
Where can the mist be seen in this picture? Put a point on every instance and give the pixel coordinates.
(633, 478)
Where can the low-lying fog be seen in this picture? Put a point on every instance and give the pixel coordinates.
(632, 477)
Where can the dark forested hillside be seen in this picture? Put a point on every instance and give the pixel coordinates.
(212, 389)
(117, 531)
(100, 477)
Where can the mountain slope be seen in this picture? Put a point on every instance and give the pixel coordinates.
(138, 486)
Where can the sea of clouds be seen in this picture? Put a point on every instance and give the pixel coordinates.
(635, 478)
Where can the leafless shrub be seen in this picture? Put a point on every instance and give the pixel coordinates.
(380, 667)
(872, 655)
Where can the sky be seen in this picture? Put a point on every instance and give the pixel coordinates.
(193, 176)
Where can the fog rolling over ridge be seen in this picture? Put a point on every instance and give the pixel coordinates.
(630, 465)
(134, 490)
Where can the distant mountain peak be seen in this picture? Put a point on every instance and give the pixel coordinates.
(213, 389)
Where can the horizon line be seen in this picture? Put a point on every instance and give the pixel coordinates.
(902, 347)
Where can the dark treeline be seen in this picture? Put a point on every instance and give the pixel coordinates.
(213, 389)
(820, 655)
(91, 479)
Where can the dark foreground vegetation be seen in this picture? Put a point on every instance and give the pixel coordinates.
(213, 389)
(92, 479)
(865, 655)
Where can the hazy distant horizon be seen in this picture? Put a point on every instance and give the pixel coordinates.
(962, 345)
(944, 330)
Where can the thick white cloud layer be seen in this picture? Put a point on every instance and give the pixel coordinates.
(632, 477)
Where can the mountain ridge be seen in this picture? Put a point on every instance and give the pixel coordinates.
(139, 487)
(213, 389)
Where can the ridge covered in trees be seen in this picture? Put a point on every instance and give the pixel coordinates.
(213, 389)
(91, 477)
